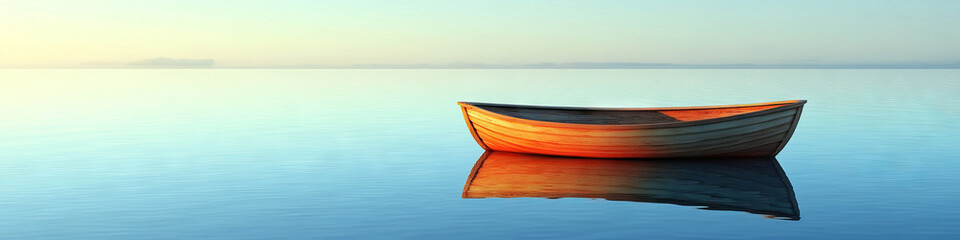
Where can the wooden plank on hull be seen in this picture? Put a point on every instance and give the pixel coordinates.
(473, 131)
(640, 141)
(796, 120)
(621, 143)
(486, 119)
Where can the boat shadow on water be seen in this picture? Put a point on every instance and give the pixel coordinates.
(753, 185)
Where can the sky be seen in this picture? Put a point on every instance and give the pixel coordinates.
(287, 33)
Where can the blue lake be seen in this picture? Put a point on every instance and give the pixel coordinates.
(294, 154)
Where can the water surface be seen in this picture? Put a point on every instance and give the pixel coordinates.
(265, 154)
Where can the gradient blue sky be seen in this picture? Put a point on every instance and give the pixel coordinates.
(105, 33)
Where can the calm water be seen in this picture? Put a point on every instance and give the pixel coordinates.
(267, 154)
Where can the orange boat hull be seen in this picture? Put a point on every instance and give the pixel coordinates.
(748, 130)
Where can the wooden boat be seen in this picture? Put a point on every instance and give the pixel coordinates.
(754, 185)
(746, 130)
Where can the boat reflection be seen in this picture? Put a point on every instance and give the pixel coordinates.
(754, 185)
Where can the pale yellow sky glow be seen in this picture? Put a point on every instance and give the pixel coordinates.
(113, 33)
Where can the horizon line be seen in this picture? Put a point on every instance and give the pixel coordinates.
(547, 65)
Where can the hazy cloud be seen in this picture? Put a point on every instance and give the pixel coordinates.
(163, 62)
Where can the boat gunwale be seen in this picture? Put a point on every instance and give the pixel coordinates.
(786, 105)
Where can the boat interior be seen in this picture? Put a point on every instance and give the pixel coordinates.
(621, 116)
